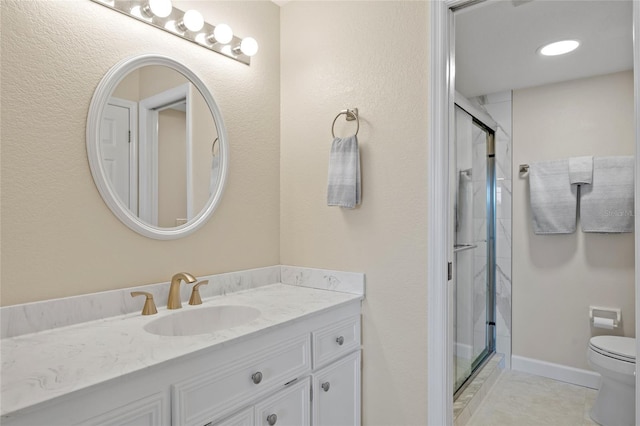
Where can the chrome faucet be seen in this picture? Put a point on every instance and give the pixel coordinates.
(174, 301)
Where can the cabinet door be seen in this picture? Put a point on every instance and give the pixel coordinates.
(243, 418)
(336, 393)
(145, 412)
(289, 407)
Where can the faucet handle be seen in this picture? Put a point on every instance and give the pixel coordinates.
(195, 294)
(149, 305)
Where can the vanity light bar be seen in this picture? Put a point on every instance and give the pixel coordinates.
(175, 21)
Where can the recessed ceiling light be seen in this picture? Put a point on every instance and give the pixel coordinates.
(559, 47)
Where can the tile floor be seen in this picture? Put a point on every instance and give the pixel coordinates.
(520, 399)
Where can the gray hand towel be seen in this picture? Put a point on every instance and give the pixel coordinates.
(607, 204)
(553, 198)
(344, 173)
(581, 170)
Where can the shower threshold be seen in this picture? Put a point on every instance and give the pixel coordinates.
(483, 378)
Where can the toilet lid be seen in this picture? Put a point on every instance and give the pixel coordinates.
(621, 346)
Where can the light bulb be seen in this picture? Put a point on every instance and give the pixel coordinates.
(223, 33)
(160, 8)
(559, 47)
(249, 46)
(193, 20)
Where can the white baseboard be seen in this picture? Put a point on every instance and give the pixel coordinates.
(563, 373)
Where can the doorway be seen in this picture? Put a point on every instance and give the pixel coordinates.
(442, 77)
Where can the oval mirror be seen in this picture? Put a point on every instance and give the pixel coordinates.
(157, 146)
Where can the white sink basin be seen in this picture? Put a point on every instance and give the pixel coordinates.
(202, 321)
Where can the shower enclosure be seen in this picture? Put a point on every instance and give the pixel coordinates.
(474, 247)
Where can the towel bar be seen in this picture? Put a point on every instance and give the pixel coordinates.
(462, 247)
(352, 114)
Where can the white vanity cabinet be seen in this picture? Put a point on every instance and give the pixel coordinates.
(274, 376)
(288, 407)
(315, 375)
(336, 393)
(145, 412)
(121, 402)
(249, 374)
(244, 418)
(336, 380)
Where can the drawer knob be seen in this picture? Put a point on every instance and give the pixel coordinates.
(256, 377)
(340, 340)
(326, 386)
(272, 419)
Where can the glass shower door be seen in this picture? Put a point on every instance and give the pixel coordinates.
(474, 247)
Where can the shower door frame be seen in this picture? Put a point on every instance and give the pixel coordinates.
(441, 108)
(489, 128)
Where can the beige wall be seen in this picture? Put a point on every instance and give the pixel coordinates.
(129, 87)
(373, 56)
(58, 236)
(556, 278)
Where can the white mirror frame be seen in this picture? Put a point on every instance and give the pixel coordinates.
(100, 98)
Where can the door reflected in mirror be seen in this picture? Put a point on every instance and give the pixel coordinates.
(156, 146)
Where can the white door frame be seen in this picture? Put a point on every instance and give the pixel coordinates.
(441, 101)
(636, 104)
(148, 111)
(133, 149)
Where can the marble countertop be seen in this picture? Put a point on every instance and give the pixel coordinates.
(41, 366)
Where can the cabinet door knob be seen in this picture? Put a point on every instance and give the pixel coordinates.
(272, 419)
(340, 340)
(256, 377)
(326, 386)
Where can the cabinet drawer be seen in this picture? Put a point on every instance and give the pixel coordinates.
(243, 418)
(335, 340)
(233, 385)
(290, 407)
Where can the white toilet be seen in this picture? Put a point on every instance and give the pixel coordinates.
(614, 358)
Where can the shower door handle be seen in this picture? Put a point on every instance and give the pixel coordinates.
(461, 247)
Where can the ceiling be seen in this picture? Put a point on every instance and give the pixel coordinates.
(497, 42)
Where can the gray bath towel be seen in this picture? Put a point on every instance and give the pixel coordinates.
(607, 204)
(344, 173)
(581, 170)
(553, 198)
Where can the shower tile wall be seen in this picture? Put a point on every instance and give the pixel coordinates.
(498, 106)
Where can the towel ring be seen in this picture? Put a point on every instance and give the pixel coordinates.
(213, 146)
(352, 114)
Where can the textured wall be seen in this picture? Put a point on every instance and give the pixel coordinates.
(58, 236)
(557, 277)
(373, 56)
